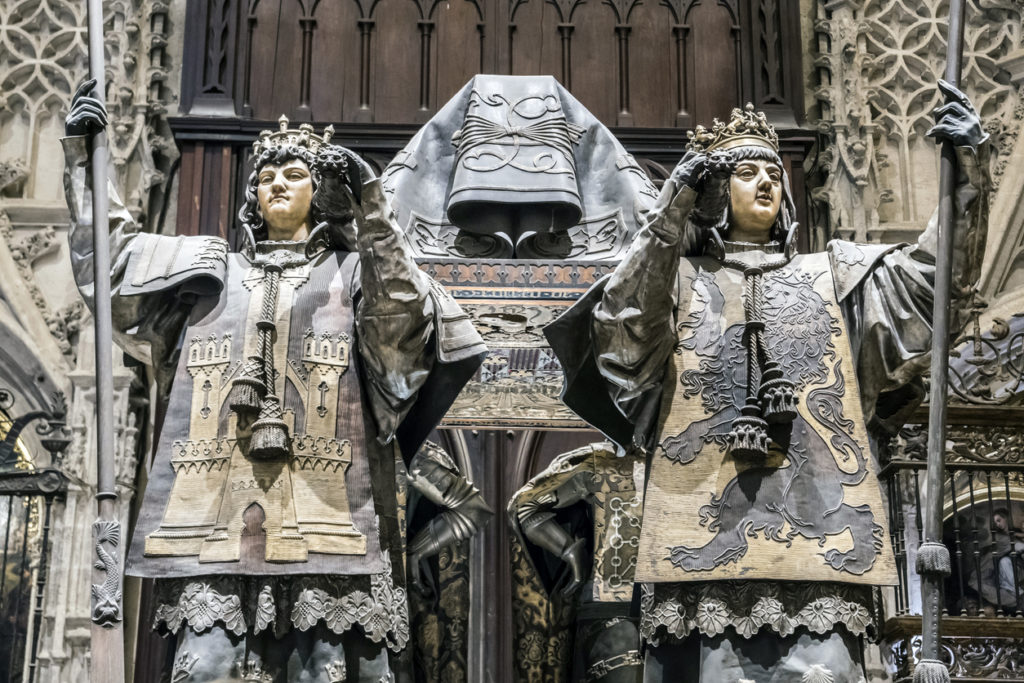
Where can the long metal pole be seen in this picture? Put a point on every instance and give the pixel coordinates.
(107, 659)
(933, 563)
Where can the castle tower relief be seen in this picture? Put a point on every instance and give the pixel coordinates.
(303, 498)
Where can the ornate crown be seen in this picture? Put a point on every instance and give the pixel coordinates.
(301, 137)
(252, 671)
(746, 127)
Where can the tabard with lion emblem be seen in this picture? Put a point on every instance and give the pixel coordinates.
(807, 512)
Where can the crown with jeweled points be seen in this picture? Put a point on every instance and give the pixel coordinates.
(302, 136)
(253, 672)
(745, 127)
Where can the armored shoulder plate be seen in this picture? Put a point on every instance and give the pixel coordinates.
(158, 263)
(851, 262)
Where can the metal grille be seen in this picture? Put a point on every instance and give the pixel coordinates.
(27, 494)
(23, 572)
(983, 529)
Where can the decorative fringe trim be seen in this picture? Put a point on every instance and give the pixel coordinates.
(777, 396)
(270, 440)
(931, 671)
(248, 389)
(933, 558)
(749, 435)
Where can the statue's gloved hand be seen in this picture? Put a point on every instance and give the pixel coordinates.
(88, 114)
(666, 217)
(690, 171)
(438, 534)
(420, 577)
(574, 556)
(340, 175)
(714, 188)
(956, 120)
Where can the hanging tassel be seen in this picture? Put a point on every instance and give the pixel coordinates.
(777, 395)
(749, 435)
(248, 389)
(931, 671)
(270, 439)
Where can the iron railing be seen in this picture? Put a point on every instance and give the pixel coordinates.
(983, 528)
(27, 493)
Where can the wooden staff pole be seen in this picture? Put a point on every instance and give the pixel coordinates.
(933, 564)
(107, 657)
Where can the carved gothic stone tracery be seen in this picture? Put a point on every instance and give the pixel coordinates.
(876, 67)
(48, 61)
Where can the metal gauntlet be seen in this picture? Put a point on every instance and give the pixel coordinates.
(466, 511)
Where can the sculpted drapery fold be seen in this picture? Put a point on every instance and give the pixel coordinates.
(887, 291)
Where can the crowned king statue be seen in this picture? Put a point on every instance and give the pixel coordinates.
(751, 380)
(300, 374)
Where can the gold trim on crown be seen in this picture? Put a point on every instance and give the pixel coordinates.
(745, 127)
(303, 136)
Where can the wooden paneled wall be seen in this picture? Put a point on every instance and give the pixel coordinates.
(641, 63)
(376, 69)
(216, 162)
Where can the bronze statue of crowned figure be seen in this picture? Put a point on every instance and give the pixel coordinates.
(750, 380)
(299, 376)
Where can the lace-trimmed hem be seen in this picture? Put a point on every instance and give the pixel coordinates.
(374, 603)
(676, 610)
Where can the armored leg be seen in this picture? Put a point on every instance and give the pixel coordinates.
(610, 649)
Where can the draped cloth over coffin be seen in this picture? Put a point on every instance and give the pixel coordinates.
(515, 150)
(515, 166)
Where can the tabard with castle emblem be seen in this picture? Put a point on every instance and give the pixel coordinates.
(321, 512)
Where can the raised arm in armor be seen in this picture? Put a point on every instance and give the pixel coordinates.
(607, 640)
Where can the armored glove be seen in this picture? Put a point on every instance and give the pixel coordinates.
(88, 115)
(956, 120)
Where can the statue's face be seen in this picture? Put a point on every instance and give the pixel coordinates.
(285, 194)
(756, 193)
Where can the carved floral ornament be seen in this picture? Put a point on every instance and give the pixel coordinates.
(373, 603)
(966, 658)
(674, 610)
(965, 444)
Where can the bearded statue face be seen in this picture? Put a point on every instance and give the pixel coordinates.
(285, 194)
(755, 191)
